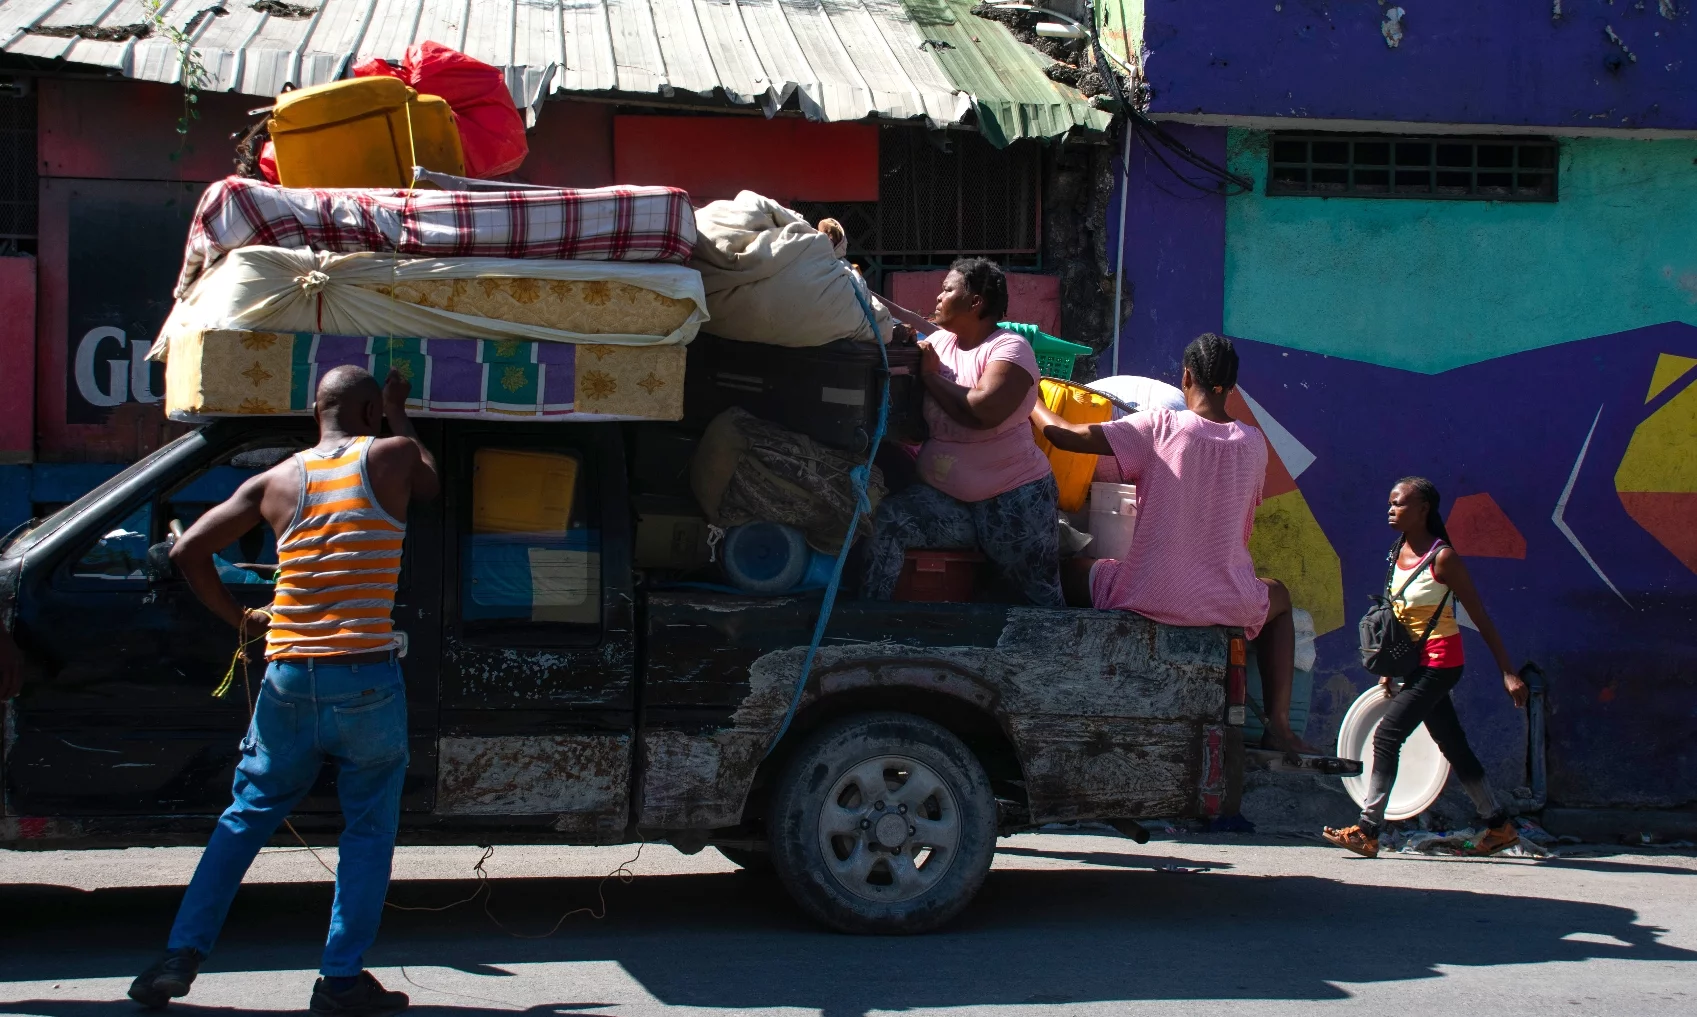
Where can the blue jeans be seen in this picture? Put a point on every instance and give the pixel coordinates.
(308, 712)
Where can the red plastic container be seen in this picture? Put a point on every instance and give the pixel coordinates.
(938, 577)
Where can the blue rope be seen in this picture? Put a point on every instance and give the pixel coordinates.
(862, 478)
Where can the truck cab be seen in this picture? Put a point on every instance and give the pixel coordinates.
(557, 693)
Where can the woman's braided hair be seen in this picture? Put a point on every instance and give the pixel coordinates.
(984, 278)
(1428, 493)
(1213, 362)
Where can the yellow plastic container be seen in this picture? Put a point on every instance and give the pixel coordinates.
(522, 492)
(363, 132)
(1074, 404)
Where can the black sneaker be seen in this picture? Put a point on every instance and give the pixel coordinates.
(368, 998)
(168, 978)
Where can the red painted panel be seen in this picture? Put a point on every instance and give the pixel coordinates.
(570, 146)
(127, 130)
(1035, 299)
(17, 359)
(787, 159)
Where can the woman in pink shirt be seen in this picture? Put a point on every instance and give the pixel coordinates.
(983, 481)
(1198, 474)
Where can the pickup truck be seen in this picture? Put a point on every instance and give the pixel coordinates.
(559, 694)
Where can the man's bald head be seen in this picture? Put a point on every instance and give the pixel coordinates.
(350, 400)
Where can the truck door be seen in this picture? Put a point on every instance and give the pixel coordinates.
(121, 719)
(539, 650)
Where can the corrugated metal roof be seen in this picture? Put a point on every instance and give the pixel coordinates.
(838, 59)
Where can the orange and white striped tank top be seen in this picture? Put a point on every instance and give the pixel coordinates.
(339, 562)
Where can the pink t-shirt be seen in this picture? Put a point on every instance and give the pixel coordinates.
(1198, 483)
(968, 463)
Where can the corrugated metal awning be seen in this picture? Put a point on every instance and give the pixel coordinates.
(837, 59)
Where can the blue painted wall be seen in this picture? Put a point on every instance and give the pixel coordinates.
(1458, 61)
(1521, 352)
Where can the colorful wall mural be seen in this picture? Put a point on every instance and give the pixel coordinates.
(1539, 363)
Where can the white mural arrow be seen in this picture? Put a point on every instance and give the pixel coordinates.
(1561, 511)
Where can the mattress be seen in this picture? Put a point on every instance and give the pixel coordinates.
(610, 224)
(590, 307)
(236, 372)
(280, 289)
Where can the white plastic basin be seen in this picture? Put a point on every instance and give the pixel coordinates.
(1421, 773)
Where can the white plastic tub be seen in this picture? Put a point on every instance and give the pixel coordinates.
(1113, 519)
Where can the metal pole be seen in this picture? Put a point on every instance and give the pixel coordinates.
(1119, 265)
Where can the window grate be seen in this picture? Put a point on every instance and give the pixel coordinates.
(1382, 166)
(934, 204)
(18, 186)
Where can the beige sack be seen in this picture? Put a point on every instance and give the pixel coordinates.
(771, 278)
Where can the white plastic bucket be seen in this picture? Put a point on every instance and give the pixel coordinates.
(1113, 518)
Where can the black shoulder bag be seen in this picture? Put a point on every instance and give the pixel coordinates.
(1387, 650)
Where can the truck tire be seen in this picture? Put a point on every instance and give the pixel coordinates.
(883, 823)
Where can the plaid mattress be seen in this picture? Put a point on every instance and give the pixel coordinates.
(603, 224)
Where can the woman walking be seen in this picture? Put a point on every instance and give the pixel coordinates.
(1427, 577)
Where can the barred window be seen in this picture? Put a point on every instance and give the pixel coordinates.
(17, 170)
(936, 202)
(1381, 166)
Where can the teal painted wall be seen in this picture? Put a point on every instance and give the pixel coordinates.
(1432, 285)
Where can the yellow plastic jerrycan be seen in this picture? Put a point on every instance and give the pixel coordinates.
(522, 492)
(362, 132)
(1074, 404)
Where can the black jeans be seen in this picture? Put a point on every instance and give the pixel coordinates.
(1424, 698)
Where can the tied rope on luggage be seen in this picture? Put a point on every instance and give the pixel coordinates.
(861, 476)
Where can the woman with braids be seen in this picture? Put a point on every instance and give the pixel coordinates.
(1427, 577)
(984, 482)
(1198, 474)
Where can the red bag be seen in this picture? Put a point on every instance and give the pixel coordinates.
(268, 163)
(491, 130)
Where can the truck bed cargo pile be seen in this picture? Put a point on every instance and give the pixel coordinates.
(542, 303)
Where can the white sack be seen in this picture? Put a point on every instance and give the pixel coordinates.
(278, 289)
(772, 278)
(1139, 393)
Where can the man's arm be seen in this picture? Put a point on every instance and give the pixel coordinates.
(219, 527)
(426, 482)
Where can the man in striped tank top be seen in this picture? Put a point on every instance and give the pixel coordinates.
(332, 688)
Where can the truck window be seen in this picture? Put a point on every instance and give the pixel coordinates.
(531, 556)
(121, 552)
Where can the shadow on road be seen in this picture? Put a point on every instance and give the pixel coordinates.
(733, 940)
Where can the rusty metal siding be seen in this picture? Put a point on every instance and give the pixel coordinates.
(1107, 711)
(581, 780)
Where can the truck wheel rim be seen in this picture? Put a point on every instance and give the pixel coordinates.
(890, 829)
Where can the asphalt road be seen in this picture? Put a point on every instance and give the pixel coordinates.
(1068, 924)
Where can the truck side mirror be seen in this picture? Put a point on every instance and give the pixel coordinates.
(159, 568)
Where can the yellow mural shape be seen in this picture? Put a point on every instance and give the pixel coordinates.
(1669, 369)
(1289, 545)
(1657, 478)
(1662, 455)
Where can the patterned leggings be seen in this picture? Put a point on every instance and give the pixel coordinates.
(1016, 529)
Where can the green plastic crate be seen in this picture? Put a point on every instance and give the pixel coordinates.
(1055, 357)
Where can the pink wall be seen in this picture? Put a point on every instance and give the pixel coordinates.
(17, 359)
(1031, 298)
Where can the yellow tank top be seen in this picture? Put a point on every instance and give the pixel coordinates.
(1417, 603)
(339, 562)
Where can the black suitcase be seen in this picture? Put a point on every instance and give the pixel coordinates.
(829, 393)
